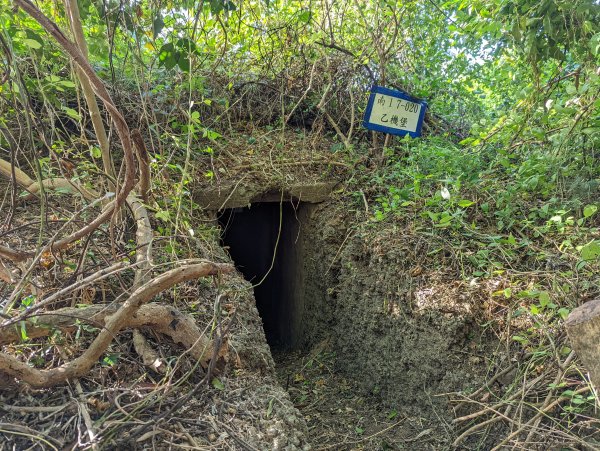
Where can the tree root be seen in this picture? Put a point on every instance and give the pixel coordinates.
(182, 329)
(21, 177)
(169, 321)
(33, 187)
(149, 356)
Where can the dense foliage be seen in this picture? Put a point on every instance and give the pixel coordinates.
(506, 175)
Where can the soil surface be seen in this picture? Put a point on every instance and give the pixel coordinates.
(340, 416)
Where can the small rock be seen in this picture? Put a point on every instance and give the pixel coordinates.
(272, 432)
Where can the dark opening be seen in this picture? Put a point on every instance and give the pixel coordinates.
(263, 250)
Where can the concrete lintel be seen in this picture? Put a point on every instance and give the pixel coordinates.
(237, 197)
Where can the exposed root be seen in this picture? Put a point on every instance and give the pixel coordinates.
(169, 321)
(150, 357)
(177, 328)
(33, 187)
(21, 177)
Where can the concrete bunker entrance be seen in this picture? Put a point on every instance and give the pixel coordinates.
(266, 244)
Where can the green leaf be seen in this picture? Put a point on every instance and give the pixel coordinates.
(465, 203)
(589, 210)
(95, 152)
(218, 384)
(520, 339)
(183, 63)
(73, 114)
(544, 298)
(595, 44)
(216, 6)
(110, 359)
(211, 134)
(163, 215)
(32, 43)
(23, 328)
(28, 301)
(167, 56)
(563, 312)
(304, 16)
(84, 8)
(67, 83)
(590, 251)
(157, 25)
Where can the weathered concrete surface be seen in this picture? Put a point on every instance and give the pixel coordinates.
(240, 195)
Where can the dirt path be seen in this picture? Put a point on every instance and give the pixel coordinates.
(339, 416)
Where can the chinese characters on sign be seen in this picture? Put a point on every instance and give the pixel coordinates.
(394, 112)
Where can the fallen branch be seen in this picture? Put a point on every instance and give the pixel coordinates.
(478, 426)
(543, 411)
(64, 184)
(150, 357)
(7, 429)
(12, 255)
(85, 413)
(21, 177)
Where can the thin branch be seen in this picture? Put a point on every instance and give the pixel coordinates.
(118, 119)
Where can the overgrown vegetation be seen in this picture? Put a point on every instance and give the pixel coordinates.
(505, 179)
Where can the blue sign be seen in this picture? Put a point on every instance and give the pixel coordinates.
(394, 112)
